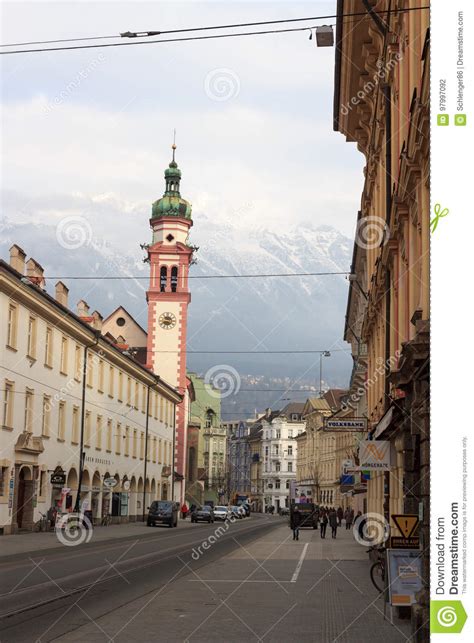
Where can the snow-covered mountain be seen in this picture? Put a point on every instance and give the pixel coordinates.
(255, 314)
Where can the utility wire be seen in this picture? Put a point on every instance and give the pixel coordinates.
(250, 276)
(130, 34)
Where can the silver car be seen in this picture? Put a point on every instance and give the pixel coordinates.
(221, 513)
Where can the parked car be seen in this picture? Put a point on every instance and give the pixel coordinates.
(246, 507)
(203, 514)
(221, 512)
(162, 512)
(236, 512)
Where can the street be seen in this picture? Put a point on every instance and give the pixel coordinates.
(253, 583)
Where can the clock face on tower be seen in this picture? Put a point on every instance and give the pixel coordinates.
(167, 321)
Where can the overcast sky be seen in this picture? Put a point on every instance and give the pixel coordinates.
(253, 117)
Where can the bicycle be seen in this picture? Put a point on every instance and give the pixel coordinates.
(106, 520)
(42, 523)
(377, 571)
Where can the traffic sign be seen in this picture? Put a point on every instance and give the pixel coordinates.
(345, 424)
(406, 523)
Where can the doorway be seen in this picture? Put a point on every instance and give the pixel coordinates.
(24, 506)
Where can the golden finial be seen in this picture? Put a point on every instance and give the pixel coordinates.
(173, 147)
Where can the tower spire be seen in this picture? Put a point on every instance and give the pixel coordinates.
(173, 147)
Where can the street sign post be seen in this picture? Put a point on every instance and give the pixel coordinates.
(345, 424)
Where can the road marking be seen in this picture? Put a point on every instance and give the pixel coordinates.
(294, 578)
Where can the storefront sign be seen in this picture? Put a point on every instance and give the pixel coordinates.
(126, 485)
(110, 482)
(348, 424)
(58, 476)
(404, 576)
(374, 455)
(384, 423)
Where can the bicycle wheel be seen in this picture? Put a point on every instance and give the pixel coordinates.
(377, 576)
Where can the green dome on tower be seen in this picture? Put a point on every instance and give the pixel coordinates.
(171, 203)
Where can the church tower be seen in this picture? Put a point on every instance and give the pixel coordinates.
(168, 298)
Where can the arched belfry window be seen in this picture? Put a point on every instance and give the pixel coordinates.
(174, 278)
(163, 278)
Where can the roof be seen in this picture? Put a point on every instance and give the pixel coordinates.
(292, 408)
(334, 397)
(318, 404)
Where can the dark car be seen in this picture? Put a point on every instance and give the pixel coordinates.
(204, 514)
(162, 512)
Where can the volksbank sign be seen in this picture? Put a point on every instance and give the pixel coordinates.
(345, 424)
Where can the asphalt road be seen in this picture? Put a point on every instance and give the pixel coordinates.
(252, 583)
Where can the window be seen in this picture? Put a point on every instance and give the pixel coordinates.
(8, 405)
(100, 385)
(118, 438)
(266, 452)
(277, 484)
(28, 419)
(174, 278)
(161, 408)
(287, 484)
(278, 434)
(61, 420)
(277, 466)
(98, 433)
(120, 321)
(134, 445)
(163, 278)
(87, 431)
(155, 405)
(290, 450)
(137, 393)
(290, 433)
(3, 481)
(42, 484)
(109, 435)
(129, 391)
(143, 398)
(160, 451)
(31, 345)
(90, 373)
(120, 387)
(290, 466)
(75, 425)
(12, 330)
(77, 363)
(48, 347)
(153, 456)
(126, 445)
(46, 419)
(111, 381)
(142, 445)
(64, 347)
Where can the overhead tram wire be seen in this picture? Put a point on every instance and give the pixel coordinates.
(250, 276)
(145, 34)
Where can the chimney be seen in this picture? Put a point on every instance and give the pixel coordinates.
(35, 272)
(97, 320)
(61, 293)
(83, 311)
(17, 258)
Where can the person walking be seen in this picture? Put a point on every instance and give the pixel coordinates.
(295, 523)
(333, 522)
(184, 511)
(323, 521)
(349, 518)
(340, 515)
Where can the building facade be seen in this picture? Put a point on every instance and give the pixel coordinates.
(279, 430)
(238, 458)
(51, 361)
(381, 103)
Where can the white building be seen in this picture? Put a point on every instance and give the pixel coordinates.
(50, 399)
(279, 450)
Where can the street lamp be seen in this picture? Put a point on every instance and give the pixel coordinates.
(323, 354)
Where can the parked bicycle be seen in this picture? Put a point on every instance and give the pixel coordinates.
(377, 571)
(42, 523)
(106, 520)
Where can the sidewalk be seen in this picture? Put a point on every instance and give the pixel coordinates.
(32, 543)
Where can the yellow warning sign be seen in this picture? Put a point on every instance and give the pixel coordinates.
(406, 523)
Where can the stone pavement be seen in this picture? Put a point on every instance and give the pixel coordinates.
(269, 589)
